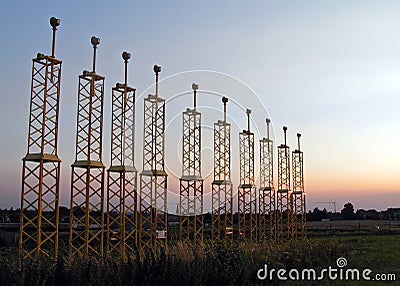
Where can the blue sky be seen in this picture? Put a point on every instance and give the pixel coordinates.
(327, 69)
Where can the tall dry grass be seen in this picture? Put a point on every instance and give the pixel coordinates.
(181, 263)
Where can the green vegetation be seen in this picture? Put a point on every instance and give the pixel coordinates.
(213, 264)
(381, 253)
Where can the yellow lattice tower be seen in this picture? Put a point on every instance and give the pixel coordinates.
(222, 200)
(86, 234)
(298, 196)
(41, 165)
(247, 217)
(191, 225)
(267, 203)
(283, 194)
(153, 178)
(122, 174)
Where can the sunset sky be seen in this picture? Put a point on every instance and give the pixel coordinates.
(327, 69)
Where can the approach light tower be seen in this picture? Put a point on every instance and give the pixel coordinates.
(122, 174)
(191, 226)
(283, 194)
(153, 179)
(41, 165)
(298, 196)
(222, 207)
(267, 199)
(87, 182)
(247, 191)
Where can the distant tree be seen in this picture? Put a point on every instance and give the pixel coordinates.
(207, 217)
(317, 214)
(14, 217)
(369, 214)
(348, 211)
(324, 214)
(63, 211)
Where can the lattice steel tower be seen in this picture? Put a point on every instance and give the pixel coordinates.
(87, 180)
(122, 174)
(191, 226)
(298, 196)
(153, 178)
(283, 193)
(267, 199)
(247, 191)
(222, 207)
(41, 165)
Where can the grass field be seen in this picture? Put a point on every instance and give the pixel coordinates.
(213, 264)
(380, 253)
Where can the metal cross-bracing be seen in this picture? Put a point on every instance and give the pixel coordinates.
(222, 207)
(298, 196)
(153, 178)
(122, 174)
(87, 181)
(267, 203)
(41, 165)
(191, 226)
(283, 194)
(247, 218)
